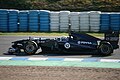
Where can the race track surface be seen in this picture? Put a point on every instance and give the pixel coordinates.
(5, 43)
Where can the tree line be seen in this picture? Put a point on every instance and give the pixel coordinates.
(57, 5)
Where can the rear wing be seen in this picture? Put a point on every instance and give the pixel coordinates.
(113, 38)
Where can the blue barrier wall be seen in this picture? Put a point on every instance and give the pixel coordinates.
(3, 20)
(44, 20)
(33, 20)
(115, 21)
(13, 20)
(105, 22)
(23, 21)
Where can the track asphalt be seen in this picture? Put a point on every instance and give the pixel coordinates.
(71, 62)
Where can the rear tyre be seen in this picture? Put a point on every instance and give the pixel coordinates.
(105, 49)
(30, 47)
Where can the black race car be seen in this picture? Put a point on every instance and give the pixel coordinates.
(74, 43)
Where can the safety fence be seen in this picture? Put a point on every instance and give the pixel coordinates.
(61, 21)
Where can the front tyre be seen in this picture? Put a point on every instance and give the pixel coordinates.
(105, 49)
(30, 47)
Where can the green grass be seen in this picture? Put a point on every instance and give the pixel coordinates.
(96, 34)
(42, 34)
(33, 34)
(59, 63)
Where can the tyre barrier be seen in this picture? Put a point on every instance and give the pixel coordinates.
(45, 20)
(84, 21)
(95, 21)
(115, 21)
(105, 22)
(54, 21)
(33, 20)
(13, 20)
(3, 20)
(74, 21)
(64, 21)
(23, 21)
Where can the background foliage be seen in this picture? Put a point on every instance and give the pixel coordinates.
(56, 5)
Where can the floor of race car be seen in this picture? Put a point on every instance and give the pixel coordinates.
(57, 73)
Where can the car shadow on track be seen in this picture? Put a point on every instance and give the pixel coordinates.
(80, 54)
(57, 54)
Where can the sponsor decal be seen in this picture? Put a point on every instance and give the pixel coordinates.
(67, 45)
(84, 42)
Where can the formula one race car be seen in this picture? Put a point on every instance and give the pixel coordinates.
(74, 43)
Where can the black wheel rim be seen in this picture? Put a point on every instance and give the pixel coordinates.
(105, 49)
(30, 48)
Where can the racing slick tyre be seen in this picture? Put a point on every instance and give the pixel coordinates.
(105, 49)
(30, 47)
